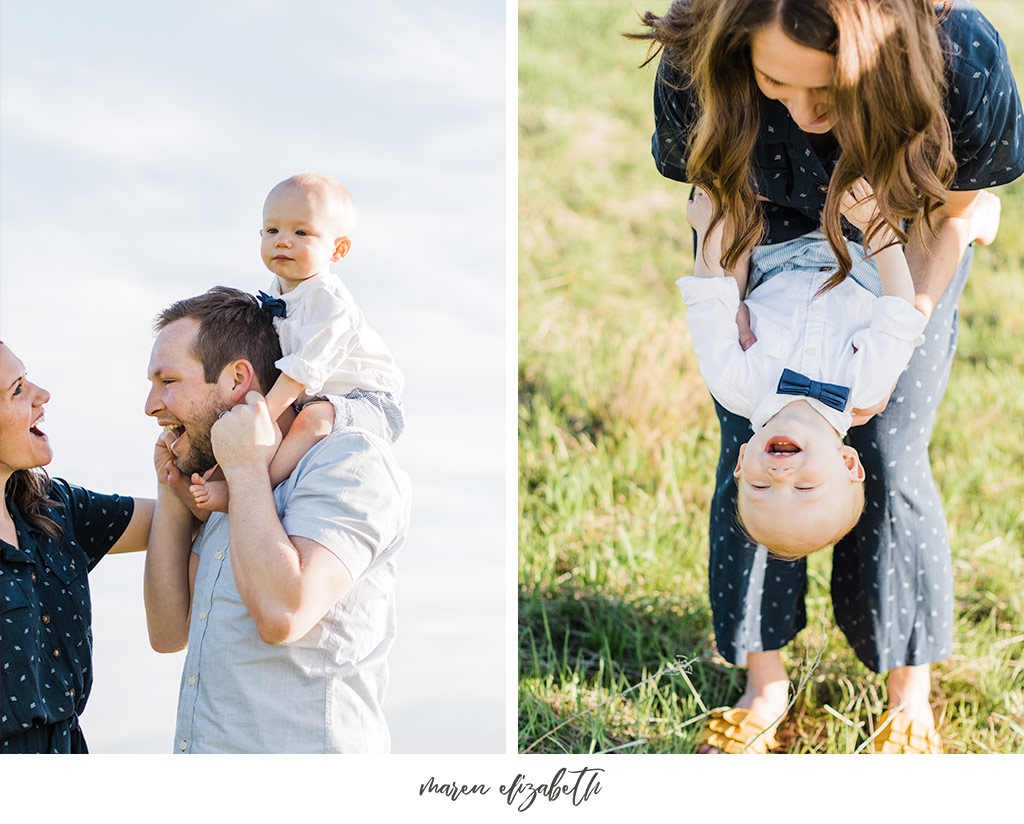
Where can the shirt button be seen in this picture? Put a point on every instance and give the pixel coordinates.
(219, 555)
(182, 746)
(823, 188)
(72, 566)
(71, 692)
(811, 351)
(46, 617)
(33, 576)
(56, 653)
(191, 680)
(202, 616)
(816, 308)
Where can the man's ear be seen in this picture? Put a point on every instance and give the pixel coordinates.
(341, 247)
(238, 378)
(851, 459)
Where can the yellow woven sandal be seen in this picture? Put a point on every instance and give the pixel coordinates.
(731, 730)
(904, 735)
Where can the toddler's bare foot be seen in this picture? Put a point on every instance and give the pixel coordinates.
(209, 495)
(985, 218)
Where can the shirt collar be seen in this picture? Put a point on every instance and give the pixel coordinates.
(773, 404)
(296, 293)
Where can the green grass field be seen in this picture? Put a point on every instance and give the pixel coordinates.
(618, 441)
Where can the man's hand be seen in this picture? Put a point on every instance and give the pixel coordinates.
(167, 474)
(245, 437)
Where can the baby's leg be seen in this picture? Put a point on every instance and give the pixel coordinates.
(211, 496)
(311, 425)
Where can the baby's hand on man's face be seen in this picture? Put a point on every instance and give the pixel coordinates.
(167, 474)
(163, 458)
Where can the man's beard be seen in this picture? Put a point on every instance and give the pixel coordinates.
(200, 457)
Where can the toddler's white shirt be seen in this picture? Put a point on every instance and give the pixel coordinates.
(327, 345)
(846, 336)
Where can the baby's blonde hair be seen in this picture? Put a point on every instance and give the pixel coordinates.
(329, 194)
(785, 537)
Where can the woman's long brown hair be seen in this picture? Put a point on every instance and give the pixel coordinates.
(885, 101)
(29, 489)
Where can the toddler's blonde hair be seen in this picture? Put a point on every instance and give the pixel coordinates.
(329, 195)
(789, 538)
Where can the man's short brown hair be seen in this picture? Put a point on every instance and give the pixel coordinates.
(232, 326)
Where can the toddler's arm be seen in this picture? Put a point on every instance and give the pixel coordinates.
(708, 262)
(282, 395)
(882, 350)
(858, 206)
(718, 321)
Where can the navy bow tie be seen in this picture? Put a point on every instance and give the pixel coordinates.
(830, 394)
(275, 307)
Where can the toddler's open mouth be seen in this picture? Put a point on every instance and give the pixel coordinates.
(781, 446)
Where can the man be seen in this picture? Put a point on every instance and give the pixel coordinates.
(285, 603)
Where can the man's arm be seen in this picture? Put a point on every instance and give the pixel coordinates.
(170, 570)
(287, 583)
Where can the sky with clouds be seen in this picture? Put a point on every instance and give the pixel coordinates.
(137, 142)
